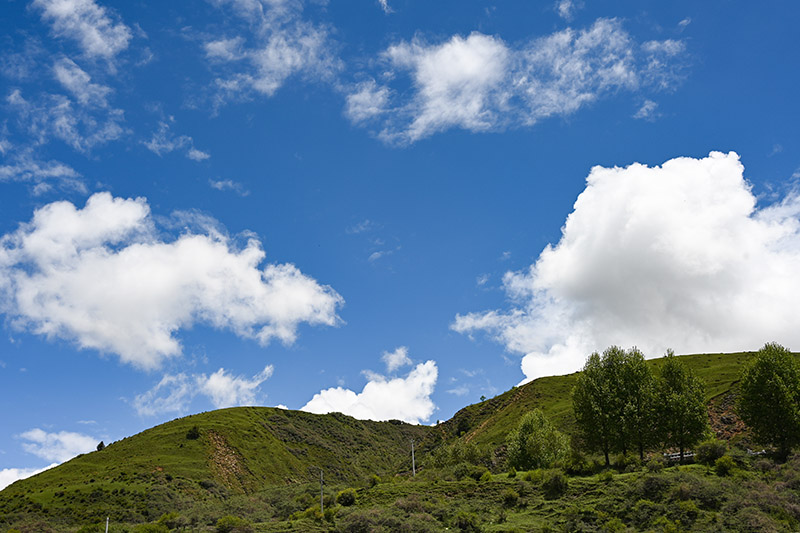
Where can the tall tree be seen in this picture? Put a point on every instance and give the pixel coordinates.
(638, 397)
(769, 401)
(595, 400)
(682, 411)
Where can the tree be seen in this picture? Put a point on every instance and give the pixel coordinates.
(536, 443)
(637, 396)
(769, 401)
(681, 405)
(613, 401)
(101, 446)
(594, 404)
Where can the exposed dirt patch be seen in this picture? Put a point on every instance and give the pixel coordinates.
(725, 423)
(227, 463)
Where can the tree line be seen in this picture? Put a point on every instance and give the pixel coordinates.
(622, 405)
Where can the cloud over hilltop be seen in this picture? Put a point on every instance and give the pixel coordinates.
(676, 256)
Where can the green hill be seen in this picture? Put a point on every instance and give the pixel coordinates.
(272, 456)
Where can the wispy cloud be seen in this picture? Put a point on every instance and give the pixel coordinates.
(98, 31)
(480, 83)
(229, 185)
(59, 447)
(174, 393)
(163, 141)
(275, 44)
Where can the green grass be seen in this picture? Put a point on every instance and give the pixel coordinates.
(276, 454)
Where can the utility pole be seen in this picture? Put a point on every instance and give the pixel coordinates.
(413, 460)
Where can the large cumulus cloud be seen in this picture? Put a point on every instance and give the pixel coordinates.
(673, 256)
(104, 277)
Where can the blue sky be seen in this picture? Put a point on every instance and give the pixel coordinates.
(388, 209)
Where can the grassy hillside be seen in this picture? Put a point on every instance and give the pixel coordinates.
(240, 450)
(252, 460)
(488, 422)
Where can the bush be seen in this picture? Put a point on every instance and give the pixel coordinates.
(347, 497)
(708, 451)
(555, 484)
(510, 498)
(233, 524)
(485, 477)
(467, 522)
(512, 473)
(656, 463)
(724, 465)
(193, 433)
(606, 476)
(374, 480)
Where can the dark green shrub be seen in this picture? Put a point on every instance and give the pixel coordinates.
(724, 465)
(374, 480)
(510, 498)
(347, 497)
(171, 520)
(708, 451)
(656, 463)
(555, 484)
(467, 522)
(193, 433)
(512, 473)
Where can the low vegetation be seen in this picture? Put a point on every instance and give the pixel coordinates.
(522, 461)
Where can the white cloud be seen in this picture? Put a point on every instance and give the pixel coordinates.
(171, 395)
(80, 125)
(10, 475)
(197, 155)
(566, 9)
(396, 359)
(164, 141)
(25, 167)
(174, 393)
(278, 45)
(367, 100)
(405, 399)
(648, 111)
(104, 277)
(385, 6)
(676, 256)
(79, 83)
(225, 390)
(58, 447)
(229, 185)
(480, 83)
(97, 31)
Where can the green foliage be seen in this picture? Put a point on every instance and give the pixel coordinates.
(724, 465)
(233, 524)
(151, 528)
(709, 451)
(346, 497)
(485, 477)
(510, 497)
(555, 484)
(459, 452)
(512, 473)
(769, 401)
(536, 443)
(613, 402)
(100, 446)
(193, 433)
(682, 411)
(466, 521)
